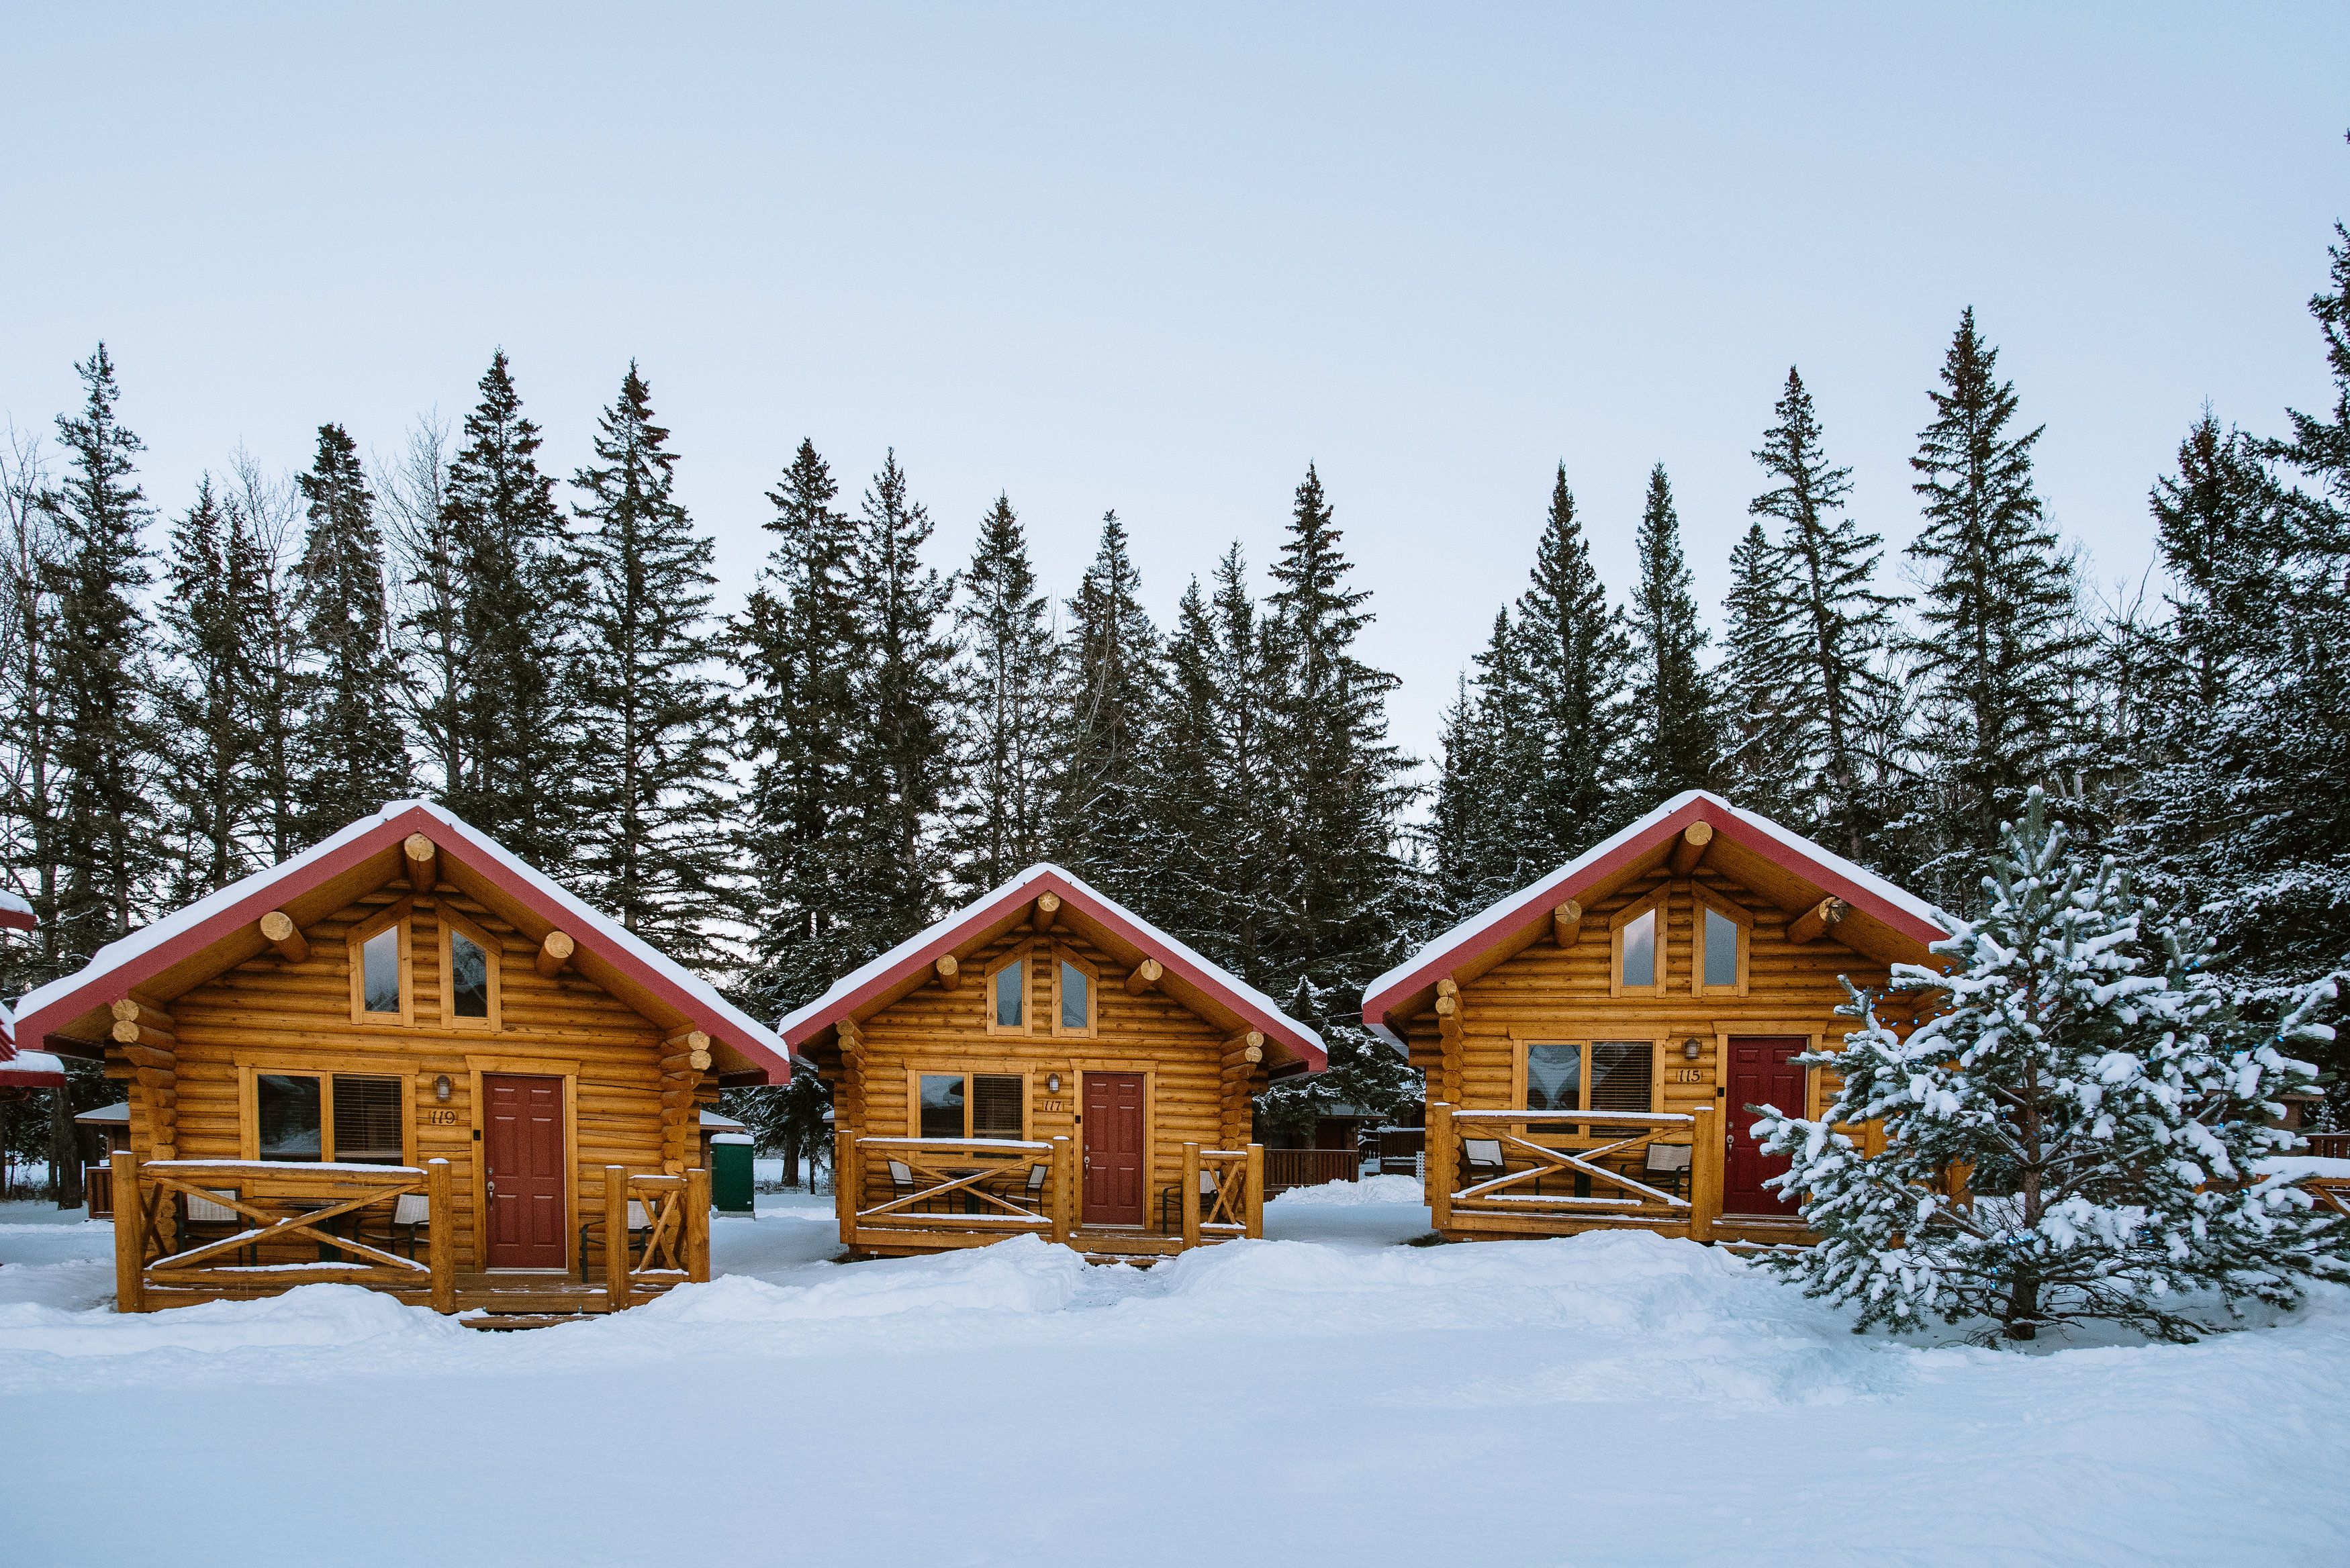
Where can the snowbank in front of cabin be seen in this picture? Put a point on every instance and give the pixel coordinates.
(1347, 1194)
(1326, 1399)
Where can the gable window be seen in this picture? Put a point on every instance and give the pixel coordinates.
(1007, 996)
(1638, 952)
(1073, 983)
(379, 954)
(348, 1119)
(972, 1105)
(469, 973)
(1722, 938)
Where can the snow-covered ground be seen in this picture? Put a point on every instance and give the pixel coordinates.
(1326, 1395)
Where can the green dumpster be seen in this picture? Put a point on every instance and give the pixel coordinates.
(730, 1172)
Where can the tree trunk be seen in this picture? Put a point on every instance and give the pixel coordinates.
(64, 1151)
(791, 1159)
(2022, 1321)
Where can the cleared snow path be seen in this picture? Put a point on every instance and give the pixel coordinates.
(1325, 1398)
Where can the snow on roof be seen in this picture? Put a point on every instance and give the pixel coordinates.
(32, 1070)
(117, 1112)
(725, 1123)
(579, 918)
(1020, 890)
(15, 911)
(1503, 914)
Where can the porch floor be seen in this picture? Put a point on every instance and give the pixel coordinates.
(548, 1296)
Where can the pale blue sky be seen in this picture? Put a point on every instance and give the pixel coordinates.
(1158, 259)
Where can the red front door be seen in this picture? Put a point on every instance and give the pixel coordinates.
(1760, 1074)
(1115, 1158)
(522, 1152)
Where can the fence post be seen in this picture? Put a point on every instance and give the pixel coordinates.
(1058, 1189)
(1705, 1174)
(697, 1226)
(441, 1235)
(129, 1233)
(1255, 1217)
(845, 1180)
(616, 1237)
(1442, 1165)
(1190, 1206)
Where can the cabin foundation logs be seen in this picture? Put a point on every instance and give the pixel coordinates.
(685, 1061)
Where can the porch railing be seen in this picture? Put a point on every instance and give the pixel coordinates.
(98, 1191)
(966, 1187)
(674, 1248)
(1600, 1156)
(1288, 1167)
(1236, 1207)
(2328, 1145)
(304, 1204)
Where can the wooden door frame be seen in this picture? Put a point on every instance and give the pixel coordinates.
(476, 1069)
(1149, 1074)
(1811, 1033)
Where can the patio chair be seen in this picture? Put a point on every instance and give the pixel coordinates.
(1168, 1196)
(1481, 1159)
(640, 1222)
(902, 1181)
(410, 1212)
(1032, 1191)
(1667, 1166)
(216, 1219)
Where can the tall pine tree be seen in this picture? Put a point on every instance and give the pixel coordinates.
(103, 836)
(352, 746)
(1998, 642)
(1761, 732)
(798, 647)
(1831, 626)
(512, 715)
(653, 847)
(1006, 739)
(1677, 738)
(1577, 658)
(1103, 813)
(215, 628)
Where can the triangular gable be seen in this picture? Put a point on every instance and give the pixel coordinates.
(1886, 922)
(1206, 989)
(192, 945)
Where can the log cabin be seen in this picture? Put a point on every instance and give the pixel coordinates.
(1591, 1044)
(405, 1059)
(1045, 1061)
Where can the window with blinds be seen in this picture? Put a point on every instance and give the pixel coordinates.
(1553, 1077)
(995, 1105)
(1619, 1075)
(367, 1120)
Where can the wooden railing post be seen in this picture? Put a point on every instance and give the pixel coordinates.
(1256, 1190)
(845, 1180)
(1705, 1173)
(1442, 1165)
(1057, 1189)
(697, 1226)
(1191, 1205)
(616, 1237)
(129, 1233)
(441, 1235)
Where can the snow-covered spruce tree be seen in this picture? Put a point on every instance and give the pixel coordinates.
(1102, 816)
(998, 817)
(1482, 845)
(214, 626)
(1577, 657)
(2089, 1073)
(352, 746)
(1677, 736)
(1761, 750)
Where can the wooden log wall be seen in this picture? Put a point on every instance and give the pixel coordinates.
(1203, 1081)
(634, 1109)
(1552, 992)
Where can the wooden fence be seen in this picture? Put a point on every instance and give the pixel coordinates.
(952, 1191)
(98, 1191)
(675, 1248)
(1288, 1167)
(1598, 1156)
(2328, 1145)
(1236, 1209)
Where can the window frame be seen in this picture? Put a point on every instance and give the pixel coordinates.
(1621, 922)
(356, 940)
(1584, 1042)
(1018, 955)
(916, 1074)
(1735, 916)
(453, 924)
(250, 1072)
(1063, 955)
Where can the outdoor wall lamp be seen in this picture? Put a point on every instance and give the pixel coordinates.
(440, 1088)
(1693, 1048)
(1052, 1083)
